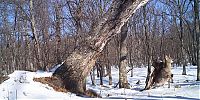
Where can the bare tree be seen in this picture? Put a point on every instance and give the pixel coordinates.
(147, 48)
(35, 36)
(197, 31)
(45, 24)
(92, 76)
(108, 65)
(58, 32)
(76, 67)
(123, 63)
(180, 8)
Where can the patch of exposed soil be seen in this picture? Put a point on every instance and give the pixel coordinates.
(3, 78)
(56, 84)
(52, 82)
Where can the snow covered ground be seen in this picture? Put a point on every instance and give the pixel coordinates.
(21, 86)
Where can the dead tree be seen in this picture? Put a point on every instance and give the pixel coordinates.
(77, 66)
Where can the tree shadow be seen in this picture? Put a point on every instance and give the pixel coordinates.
(174, 97)
(189, 83)
(138, 89)
(123, 98)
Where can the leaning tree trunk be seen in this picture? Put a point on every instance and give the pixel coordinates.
(123, 62)
(76, 67)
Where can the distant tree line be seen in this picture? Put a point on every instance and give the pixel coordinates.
(38, 34)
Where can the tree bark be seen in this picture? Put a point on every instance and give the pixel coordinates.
(92, 75)
(123, 62)
(77, 14)
(77, 66)
(27, 49)
(130, 54)
(99, 67)
(109, 75)
(58, 32)
(197, 31)
(45, 31)
(35, 36)
(108, 66)
(101, 73)
(147, 50)
(183, 62)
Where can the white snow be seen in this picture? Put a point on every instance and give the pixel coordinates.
(21, 86)
(55, 67)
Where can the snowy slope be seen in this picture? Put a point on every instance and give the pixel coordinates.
(21, 86)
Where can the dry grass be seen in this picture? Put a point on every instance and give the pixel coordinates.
(52, 82)
(56, 84)
(3, 78)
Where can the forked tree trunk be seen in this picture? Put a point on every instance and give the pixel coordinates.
(78, 65)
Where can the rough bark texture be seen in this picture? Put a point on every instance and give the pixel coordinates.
(147, 48)
(76, 67)
(58, 33)
(109, 75)
(92, 75)
(131, 62)
(197, 30)
(183, 58)
(100, 70)
(108, 67)
(123, 62)
(35, 36)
